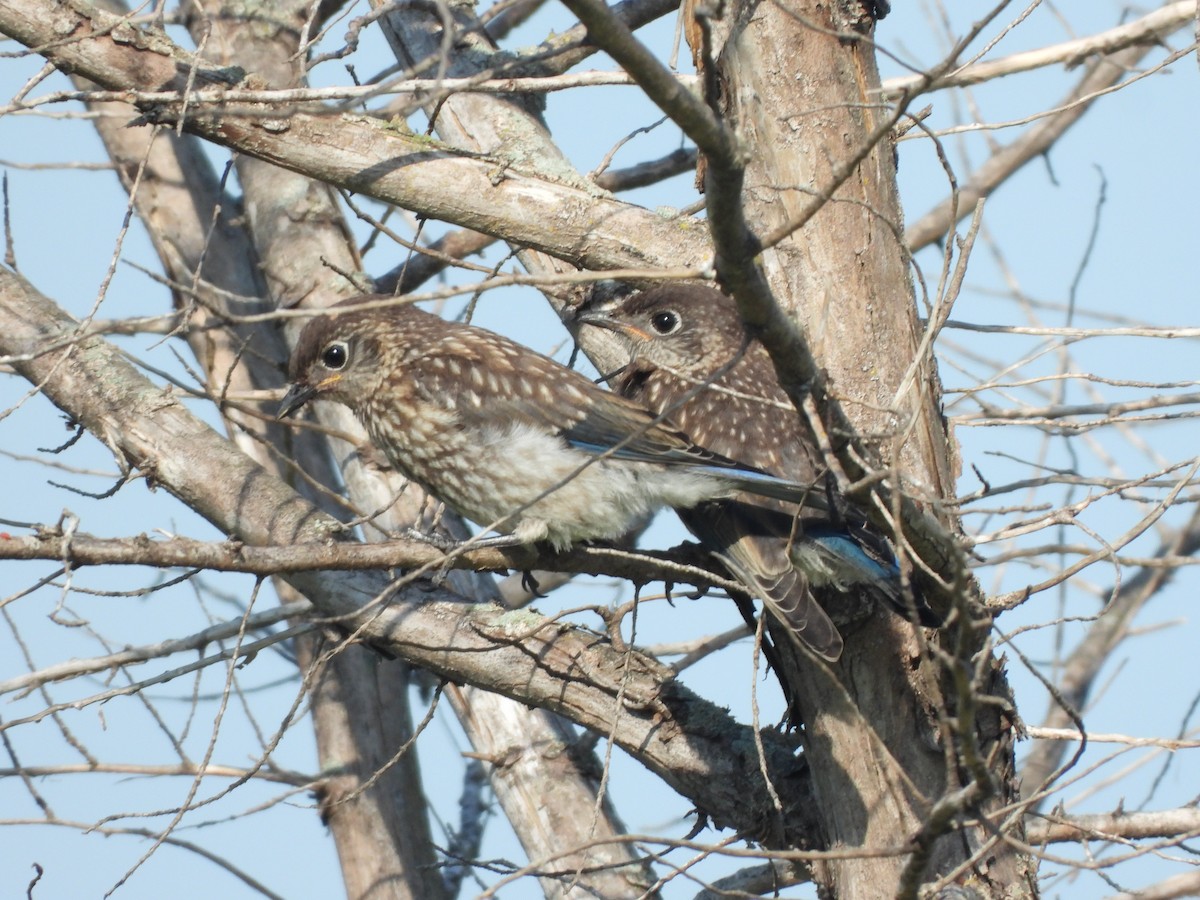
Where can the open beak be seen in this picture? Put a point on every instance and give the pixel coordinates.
(296, 397)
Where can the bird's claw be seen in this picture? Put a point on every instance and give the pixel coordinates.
(529, 583)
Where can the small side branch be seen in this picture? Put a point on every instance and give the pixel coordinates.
(235, 556)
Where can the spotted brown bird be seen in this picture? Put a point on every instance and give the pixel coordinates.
(505, 436)
(690, 360)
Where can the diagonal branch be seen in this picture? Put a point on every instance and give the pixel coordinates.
(1150, 29)
(1099, 76)
(697, 748)
(363, 154)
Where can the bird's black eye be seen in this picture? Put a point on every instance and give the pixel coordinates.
(336, 355)
(665, 322)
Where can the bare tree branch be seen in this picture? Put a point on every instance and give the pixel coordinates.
(1098, 77)
(1151, 29)
(81, 549)
(1083, 666)
(1181, 823)
(899, 768)
(1183, 885)
(693, 746)
(369, 157)
(134, 655)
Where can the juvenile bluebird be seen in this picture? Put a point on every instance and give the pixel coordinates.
(503, 435)
(691, 361)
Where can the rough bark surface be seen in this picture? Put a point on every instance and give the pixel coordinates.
(877, 729)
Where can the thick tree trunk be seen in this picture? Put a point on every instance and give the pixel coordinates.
(878, 725)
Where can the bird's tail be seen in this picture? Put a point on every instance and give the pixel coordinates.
(784, 591)
(752, 543)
